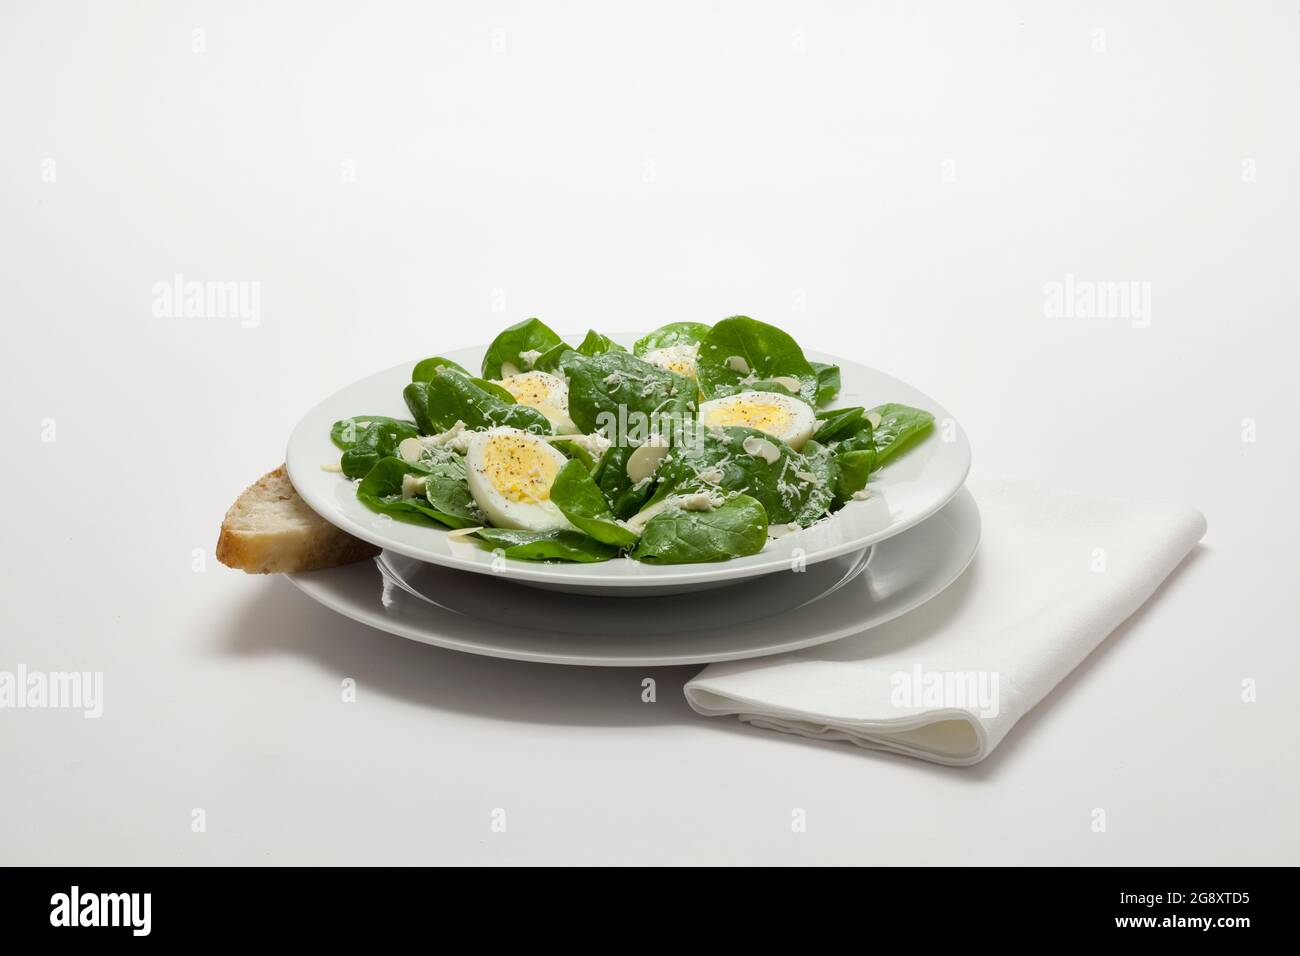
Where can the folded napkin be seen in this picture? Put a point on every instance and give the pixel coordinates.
(1055, 573)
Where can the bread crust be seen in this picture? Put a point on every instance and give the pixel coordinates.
(271, 530)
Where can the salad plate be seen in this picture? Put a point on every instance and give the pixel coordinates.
(911, 487)
(489, 615)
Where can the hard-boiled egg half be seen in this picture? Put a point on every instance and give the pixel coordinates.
(547, 393)
(510, 473)
(676, 358)
(782, 416)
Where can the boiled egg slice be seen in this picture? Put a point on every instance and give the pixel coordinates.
(676, 358)
(510, 473)
(782, 416)
(547, 393)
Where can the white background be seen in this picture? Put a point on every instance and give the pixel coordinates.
(914, 173)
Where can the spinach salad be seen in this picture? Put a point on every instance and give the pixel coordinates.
(697, 445)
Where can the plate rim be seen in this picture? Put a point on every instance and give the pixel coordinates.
(580, 576)
(318, 589)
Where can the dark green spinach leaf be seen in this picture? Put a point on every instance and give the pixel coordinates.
(762, 352)
(836, 421)
(900, 426)
(625, 497)
(450, 397)
(602, 386)
(735, 529)
(426, 369)
(377, 440)
(442, 503)
(828, 381)
(795, 488)
(674, 333)
(546, 545)
(345, 432)
(595, 344)
(530, 335)
(579, 498)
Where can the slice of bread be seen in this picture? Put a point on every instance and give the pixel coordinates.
(270, 529)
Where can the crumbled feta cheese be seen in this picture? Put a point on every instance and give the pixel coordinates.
(456, 438)
(699, 501)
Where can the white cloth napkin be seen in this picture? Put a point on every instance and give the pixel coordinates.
(1055, 573)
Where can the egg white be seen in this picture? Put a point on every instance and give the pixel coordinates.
(547, 393)
(510, 473)
(781, 416)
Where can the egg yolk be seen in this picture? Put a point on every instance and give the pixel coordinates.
(519, 469)
(528, 389)
(677, 358)
(763, 416)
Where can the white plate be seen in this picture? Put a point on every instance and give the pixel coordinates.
(903, 493)
(482, 614)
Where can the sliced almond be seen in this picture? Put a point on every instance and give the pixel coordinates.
(641, 464)
(737, 364)
(410, 449)
(789, 383)
(638, 521)
(462, 532)
(874, 419)
(761, 448)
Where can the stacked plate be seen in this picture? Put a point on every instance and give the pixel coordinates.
(866, 564)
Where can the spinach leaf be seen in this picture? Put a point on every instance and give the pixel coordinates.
(836, 421)
(794, 488)
(625, 497)
(674, 333)
(550, 360)
(579, 498)
(900, 426)
(425, 370)
(595, 344)
(762, 351)
(828, 381)
(345, 432)
(447, 491)
(575, 452)
(530, 335)
(381, 490)
(561, 545)
(450, 397)
(377, 440)
(737, 528)
(855, 468)
(602, 385)
(492, 388)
